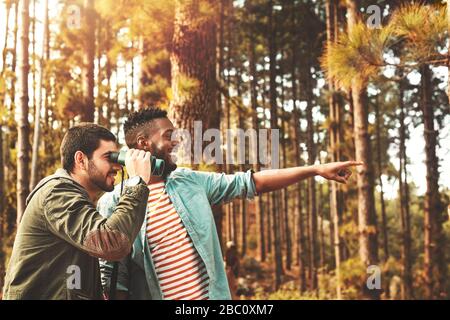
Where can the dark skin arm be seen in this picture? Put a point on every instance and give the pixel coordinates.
(275, 179)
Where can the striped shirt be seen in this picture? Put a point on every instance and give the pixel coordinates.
(180, 270)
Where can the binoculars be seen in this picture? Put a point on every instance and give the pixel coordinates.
(157, 164)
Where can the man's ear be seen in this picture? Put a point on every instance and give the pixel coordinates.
(142, 143)
(80, 160)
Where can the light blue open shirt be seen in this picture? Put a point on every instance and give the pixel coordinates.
(192, 194)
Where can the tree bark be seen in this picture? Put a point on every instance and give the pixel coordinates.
(286, 228)
(14, 56)
(37, 115)
(335, 139)
(88, 70)
(193, 64)
(5, 46)
(23, 124)
(296, 125)
(435, 266)
(367, 227)
(259, 206)
(274, 125)
(404, 203)
(448, 50)
(313, 245)
(380, 181)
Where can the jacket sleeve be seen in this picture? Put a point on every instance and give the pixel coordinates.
(221, 187)
(72, 217)
(105, 207)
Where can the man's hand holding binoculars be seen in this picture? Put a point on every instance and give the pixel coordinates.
(138, 164)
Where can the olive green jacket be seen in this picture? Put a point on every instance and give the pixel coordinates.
(61, 237)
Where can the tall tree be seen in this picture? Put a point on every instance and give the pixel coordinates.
(297, 152)
(368, 248)
(274, 126)
(41, 101)
(89, 57)
(435, 265)
(448, 50)
(23, 148)
(14, 54)
(404, 201)
(334, 144)
(312, 208)
(259, 206)
(193, 61)
(8, 5)
(384, 227)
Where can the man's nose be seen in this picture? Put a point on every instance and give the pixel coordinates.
(175, 142)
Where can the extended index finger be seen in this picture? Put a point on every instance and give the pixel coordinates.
(353, 163)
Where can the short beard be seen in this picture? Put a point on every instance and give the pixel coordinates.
(168, 165)
(97, 179)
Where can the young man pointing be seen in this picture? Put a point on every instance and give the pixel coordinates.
(177, 253)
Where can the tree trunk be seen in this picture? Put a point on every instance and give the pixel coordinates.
(404, 203)
(334, 134)
(14, 58)
(314, 252)
(37, 115)
(241, 202)
(259, 206)
(98, 36)
(296, 125)
(216, 116)
(108, 70)
(2, 191)
(2, 160)
(368, 248)
(5, 46)
(379, 163)
(285, 194)
(274, 125)
(33, 57)
(23, 124)
(435, 266)
(193, 64)
(448, 52)
(88, 70)
(133, 108)
(269, 207)
(321, 231)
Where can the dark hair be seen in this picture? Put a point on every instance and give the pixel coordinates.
(137, 120)
(84, 137)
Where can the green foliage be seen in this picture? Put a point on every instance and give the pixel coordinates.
(357, 56)
(289, 291)
(70, 102)
(424, 29)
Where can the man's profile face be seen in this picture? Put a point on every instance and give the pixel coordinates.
(161, 144)
(101, 170)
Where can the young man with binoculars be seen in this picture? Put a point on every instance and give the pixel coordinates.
(62, 235)
(177, 253)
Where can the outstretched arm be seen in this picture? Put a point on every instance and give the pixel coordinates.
(275, 179)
